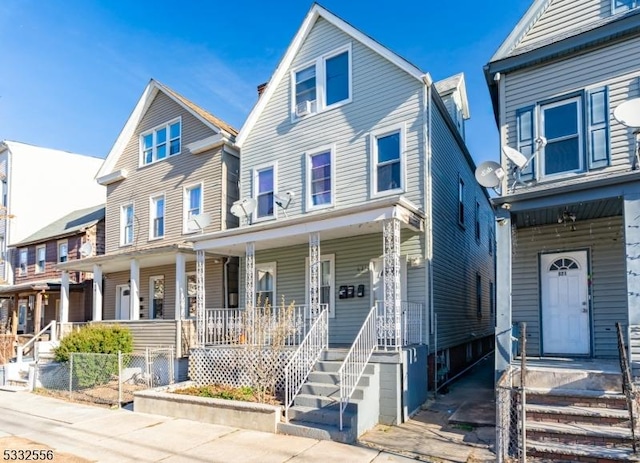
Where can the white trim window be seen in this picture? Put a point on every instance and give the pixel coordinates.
(156, 296)
(41, 258)
(264, 187)
(23, 262)
(126, 224)
(63, 251)
(193, 204)
(327, 280)
(156, 217)
(618, 6)
(561, 125)
(320, 178)
(322, 84)
(191, 295)
(160, 142)
(266, 284)
(388, 161)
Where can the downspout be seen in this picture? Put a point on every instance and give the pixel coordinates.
(225, 281)
(428, 198)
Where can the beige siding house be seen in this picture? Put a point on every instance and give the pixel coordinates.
(338, 199)
(171, 175)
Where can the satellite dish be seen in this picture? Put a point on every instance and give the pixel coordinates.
(243, 207)
(489, 174)
(86, 249)
(515, 156)
(199, 221)
(283, 202)
(628, 113)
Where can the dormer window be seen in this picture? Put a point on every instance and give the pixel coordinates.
(323, 84)
(618, 6)
(160, 142)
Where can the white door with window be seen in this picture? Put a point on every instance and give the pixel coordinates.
(123, 301)
(376, 271)
(565, 304)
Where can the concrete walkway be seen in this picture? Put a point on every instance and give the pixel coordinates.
(80, 433)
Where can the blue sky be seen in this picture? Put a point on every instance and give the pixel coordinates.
(74, 69)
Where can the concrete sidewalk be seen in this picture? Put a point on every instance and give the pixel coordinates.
(79, 433)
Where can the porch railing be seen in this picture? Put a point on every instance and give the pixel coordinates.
(356, 360)
(51, 327)
(305, 357)
(223, 327)
(628, 388)
(411, 320)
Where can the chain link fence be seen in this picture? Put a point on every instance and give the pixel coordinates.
(106, 379)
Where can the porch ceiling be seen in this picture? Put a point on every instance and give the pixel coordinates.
(585, 210)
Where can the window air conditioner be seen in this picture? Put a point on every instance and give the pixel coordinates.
(303, 108)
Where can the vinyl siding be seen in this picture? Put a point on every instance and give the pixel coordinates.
(383, 97)
(563, 16)
(604, 240)
(352, 256)
(169, 176)
(614, 66)
(457, 255)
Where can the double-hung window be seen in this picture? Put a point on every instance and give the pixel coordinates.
(126, 224)
(387, 149)
(41, 258)
(323, 84)
(22, 264)
(192, 205)
(160, 142)
(618, 6)
(576, 131)
(266, 284)
(157, 217)
(264, 184)
(320, 179)
(63, 251)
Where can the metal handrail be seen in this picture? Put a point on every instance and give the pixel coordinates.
(628, 388)
(357, 359)
(410, 320)
(305, 357)
(52, 337)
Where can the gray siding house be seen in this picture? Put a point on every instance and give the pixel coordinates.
(172, 173)
(568, 220)
(358, 197)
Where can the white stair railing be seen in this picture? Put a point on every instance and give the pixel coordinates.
(356, 360)
(305, 357)
(53, 337)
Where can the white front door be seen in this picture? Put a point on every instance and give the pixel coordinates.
(123, 308)
(565, 304)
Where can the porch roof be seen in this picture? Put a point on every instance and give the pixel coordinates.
(36, 285)
(351, 221)
(120, 260)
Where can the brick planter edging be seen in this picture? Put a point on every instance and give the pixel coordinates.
(234, 413)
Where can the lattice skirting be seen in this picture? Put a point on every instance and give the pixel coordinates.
(238, 365)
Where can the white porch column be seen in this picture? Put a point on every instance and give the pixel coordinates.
(64, 297)
(314, 275)
(503, 292)
(631, 240)
(250, 285)
(97, 292)
(391, 282)
(181, 279)
(200, 297)
(134, 294)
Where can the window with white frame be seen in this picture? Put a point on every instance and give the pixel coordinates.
(264, 183)
(41, 258)
(323, 84)
(160, 142)
(460, 201)
(156, 288)
(22, 262)
(156, 216)
(576, 130)
(320, 179)
(126, 224)
(388, 162)
(265, 284)
(326, 278)
(618, 6)
(63, 251)
(192, 205)
(192, 295)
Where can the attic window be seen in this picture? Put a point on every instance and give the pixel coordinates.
(160, 142)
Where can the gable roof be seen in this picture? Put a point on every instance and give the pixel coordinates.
(148, 95)
(282, 70)
(68, 225)
(450, 85)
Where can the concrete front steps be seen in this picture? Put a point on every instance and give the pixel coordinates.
(580, 425)
(316, 409)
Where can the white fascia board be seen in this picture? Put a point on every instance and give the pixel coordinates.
(113, 177)
(208, 143)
